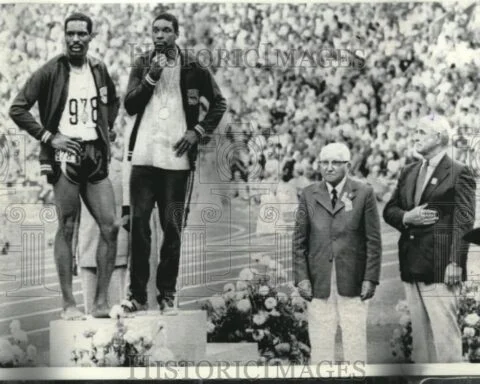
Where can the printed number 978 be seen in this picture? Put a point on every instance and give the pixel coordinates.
(73, 106)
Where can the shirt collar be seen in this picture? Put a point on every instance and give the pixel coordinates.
(339, 187)
(435, 160)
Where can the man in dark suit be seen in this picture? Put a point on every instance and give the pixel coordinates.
(337, 256)
(433, 207)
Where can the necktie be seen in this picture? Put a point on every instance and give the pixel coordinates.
(334, 197)
(420, 181)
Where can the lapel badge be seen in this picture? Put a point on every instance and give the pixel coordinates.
(348, 203)
(104, 95)
(434, 181)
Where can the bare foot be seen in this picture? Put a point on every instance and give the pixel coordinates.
(101, 311)
(72, 313)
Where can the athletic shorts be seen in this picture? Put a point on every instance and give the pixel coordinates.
(90, 166)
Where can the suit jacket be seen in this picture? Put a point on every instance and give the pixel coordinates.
(425, 251)
(348, 236)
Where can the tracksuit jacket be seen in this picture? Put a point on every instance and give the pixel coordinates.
(196, 81)
(49, 87)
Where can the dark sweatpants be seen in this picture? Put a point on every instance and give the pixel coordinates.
(167, 188)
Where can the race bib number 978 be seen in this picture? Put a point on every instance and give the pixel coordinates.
(83, 110)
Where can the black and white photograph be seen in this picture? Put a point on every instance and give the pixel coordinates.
(239, 190)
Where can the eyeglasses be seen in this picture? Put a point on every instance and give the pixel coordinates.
(335, 163)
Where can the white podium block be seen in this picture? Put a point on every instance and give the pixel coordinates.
(186, 334)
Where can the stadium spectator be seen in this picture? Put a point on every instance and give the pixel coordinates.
(414, 58)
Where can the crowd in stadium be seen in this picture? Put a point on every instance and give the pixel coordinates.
(410, 59)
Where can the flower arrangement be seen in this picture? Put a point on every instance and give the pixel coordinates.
(255, 309)
(401, 341)
(119, 345)
(15, 350)
(469, 322)
(468, 317)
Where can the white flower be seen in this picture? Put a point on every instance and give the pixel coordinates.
(258, 334)
(256, 258)
(31, 352)
(15, 326)
(468, 332)
(246, 274)
(404, 320)
(131, 337)
(230, 295)
(270, 303)
(471, 295)
(274, 313)
(6, 353)
(229, 287)
(241, 285)
(298, 302)
(103, 337)
(472, 319)
(265, 260)
(116, 312)
(282, 296)
(299, 316)
(260, 318)
(17, 352)
(20, 336)
(244, 305)
(240, 295)
(217, 302)
(210, 327)
(263, 290)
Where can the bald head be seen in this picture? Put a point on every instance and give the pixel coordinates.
(339, 151)
(334, 162)
(432, 134)
(434, 123)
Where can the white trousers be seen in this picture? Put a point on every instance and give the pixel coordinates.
(325, 315)
(436, 335)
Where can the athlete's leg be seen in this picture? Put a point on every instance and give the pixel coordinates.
(67, 203)
(100, 201)
(171, 203)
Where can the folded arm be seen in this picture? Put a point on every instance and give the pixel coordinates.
(140, 88)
